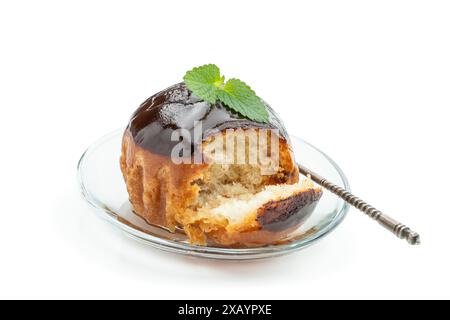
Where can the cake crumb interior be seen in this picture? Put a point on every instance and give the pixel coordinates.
(233, 190)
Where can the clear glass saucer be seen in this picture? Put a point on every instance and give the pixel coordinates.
(102, 186)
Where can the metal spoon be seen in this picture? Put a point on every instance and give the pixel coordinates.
(397, 228)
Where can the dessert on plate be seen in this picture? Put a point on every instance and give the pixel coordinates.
(210, 157)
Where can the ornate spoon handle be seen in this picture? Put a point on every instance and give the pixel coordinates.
(397, 228)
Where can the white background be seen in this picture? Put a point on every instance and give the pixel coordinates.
(365, 81)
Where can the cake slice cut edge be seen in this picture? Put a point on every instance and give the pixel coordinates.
(263, 218)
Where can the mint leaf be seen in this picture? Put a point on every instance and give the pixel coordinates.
(207, 83)
(241, 98)
(204, 82)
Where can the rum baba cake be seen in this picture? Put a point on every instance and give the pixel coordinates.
(190, 163)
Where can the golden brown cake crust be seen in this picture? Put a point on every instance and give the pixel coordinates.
(159, 190)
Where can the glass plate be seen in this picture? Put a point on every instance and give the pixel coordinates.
(102, 186)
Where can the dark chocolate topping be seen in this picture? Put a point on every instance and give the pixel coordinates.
(175, 108)
(290, 212)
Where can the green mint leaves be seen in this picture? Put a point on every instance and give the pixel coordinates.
(241, 98)
(207, 83)
(204, 82)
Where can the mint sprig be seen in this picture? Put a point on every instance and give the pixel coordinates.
(207, 84)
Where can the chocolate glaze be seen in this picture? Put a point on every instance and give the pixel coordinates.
(284, 214)
(176, 107)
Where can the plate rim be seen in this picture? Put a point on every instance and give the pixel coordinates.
(204, 251)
